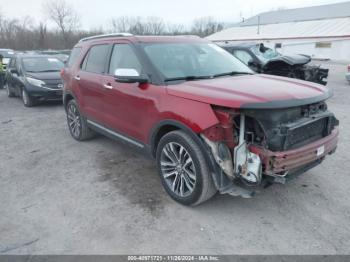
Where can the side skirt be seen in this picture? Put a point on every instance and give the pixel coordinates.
(117, 136)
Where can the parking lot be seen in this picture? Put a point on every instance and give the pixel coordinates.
(59, 196)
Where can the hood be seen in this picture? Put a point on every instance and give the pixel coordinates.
(251, 91)
(45, 75)
(290, 60)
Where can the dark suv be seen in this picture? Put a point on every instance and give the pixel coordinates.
(210, 122)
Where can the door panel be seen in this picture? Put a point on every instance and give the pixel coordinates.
(131, 107)
(89, 81)
(127, 105)
(91, 94)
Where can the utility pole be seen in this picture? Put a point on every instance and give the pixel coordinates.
(258, 24)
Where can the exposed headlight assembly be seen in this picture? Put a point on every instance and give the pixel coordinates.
(35, 82)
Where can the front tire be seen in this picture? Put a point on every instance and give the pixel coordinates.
(28, 101)
(77, 123)
(183, 169)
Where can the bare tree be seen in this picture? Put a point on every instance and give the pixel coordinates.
(154, 25)
(175, 29)
(25, 34)
(205, 26)
(42, 30)
(138, 25)
(122, 24)
(64, 16)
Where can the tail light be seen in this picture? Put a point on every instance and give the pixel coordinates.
(62, 72)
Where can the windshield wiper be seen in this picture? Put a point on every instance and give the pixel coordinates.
(187, 78)
(232, 74)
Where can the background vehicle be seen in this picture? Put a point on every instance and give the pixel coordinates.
(7, 55)
(347, 75)
(62, 55)
(34, 78)
(264, 60)
(210, 122)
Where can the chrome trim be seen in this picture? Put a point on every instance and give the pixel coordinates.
(105, 36)
(52, 89)
(116, 134)
(108, 86)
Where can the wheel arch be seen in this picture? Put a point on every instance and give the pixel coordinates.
(67, 96)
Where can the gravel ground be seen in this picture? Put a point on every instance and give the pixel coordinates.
(59, 196)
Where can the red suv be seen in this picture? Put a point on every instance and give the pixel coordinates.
(208, 120)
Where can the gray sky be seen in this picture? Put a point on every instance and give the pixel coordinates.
(97, 13)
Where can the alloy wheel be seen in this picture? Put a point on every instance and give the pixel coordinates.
(73, 117)
(178, 169)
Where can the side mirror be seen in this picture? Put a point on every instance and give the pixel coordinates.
(129, 75)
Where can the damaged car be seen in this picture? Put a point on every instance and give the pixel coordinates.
(264, 60)
(209, 121)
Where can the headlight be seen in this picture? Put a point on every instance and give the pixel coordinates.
(35, 82)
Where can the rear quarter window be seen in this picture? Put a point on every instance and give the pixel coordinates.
(73, 56)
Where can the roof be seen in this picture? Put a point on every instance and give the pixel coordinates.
(338, 10)
(339, 27)
(34, 56)
(142, 39)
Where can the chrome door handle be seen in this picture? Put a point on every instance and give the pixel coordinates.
(77, 78)
(108, 86)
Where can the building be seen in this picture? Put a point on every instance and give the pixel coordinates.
(322, 32)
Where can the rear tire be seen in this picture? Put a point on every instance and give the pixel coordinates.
(9, 92)
(183, 169)
(77, 123)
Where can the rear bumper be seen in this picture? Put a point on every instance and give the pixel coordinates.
(281, 162)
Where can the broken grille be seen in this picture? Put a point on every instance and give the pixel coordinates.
(301, 135)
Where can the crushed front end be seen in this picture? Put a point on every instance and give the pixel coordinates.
(311, 73)
(254, 148)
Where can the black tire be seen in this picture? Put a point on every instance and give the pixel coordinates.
(81, 131)
(10, 93)
(203, 187)
(27, 100)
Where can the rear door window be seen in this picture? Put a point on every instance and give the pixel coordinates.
(95, 60)
(73, 56)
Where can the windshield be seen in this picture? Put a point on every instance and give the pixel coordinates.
(192, 60)
(42, 64)
(264, 53)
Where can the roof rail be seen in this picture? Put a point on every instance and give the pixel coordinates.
(104, 36)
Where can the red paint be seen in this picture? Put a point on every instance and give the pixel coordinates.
(135, 109)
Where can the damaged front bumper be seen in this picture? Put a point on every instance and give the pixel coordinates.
(278, 163)
(277, 167)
